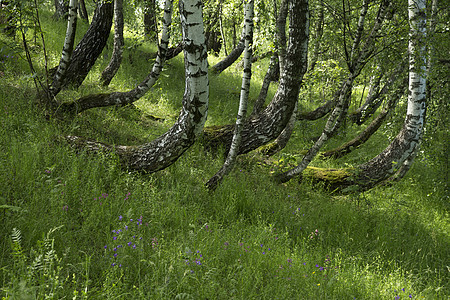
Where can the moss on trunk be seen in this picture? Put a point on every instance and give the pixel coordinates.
(335, 180)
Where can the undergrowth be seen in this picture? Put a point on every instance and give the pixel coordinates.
(76, 225)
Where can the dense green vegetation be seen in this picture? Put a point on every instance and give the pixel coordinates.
(77, 225)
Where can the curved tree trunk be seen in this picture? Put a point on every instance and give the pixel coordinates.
(375, 96)
(370, 130)
(401, 152)
(270, 123)
(214, 181)
(116, 57)
(67, 49)
(166, 149)
(231, 58)
(90, 46)
(319, 112)
(281, 141)
(277, 58)
(123, 98)
(355, 61)
(272, 71)
(397, 158)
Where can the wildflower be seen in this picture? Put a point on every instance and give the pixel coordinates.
(134, 246)
(115, 254)
(120, 218)
(289, 260)
(129, 243)
(105, 247)
(114, 237)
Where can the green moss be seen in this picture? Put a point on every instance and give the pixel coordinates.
(334, 179)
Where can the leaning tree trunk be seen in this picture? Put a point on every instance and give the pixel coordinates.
(166, 149)
(123, 98)
(271, 122)
(214, 181)
(277, 58)
(90, 46)
(271, 75)
(355, 61)
(396, 159)
(67, 49)
(401, 152)
(231, 58)
(281, 141)
(370, 129)
(116, 57)
(375, 96)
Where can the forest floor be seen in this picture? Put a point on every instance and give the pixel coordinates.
(77, 225)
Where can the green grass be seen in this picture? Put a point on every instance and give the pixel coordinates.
(251, 239)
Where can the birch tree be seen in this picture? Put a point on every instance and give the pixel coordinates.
(267, 125)
(123, 98)
(400, 153)
(167, 148)
(116, 57)
(356, 59)
(91, 45)
(67, 49)
(214, 181)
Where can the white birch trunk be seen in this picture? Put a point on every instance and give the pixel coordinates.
(123, 98)
(245, 89)
(67, 48)
(166, 149)
(337, 116)
(116, 57)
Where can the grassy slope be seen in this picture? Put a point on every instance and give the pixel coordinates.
(251, 239)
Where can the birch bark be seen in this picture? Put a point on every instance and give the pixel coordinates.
(245, 89)
(116, 57)
(67, 48)
(271, 122)
(123, 98)
(166, 149)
